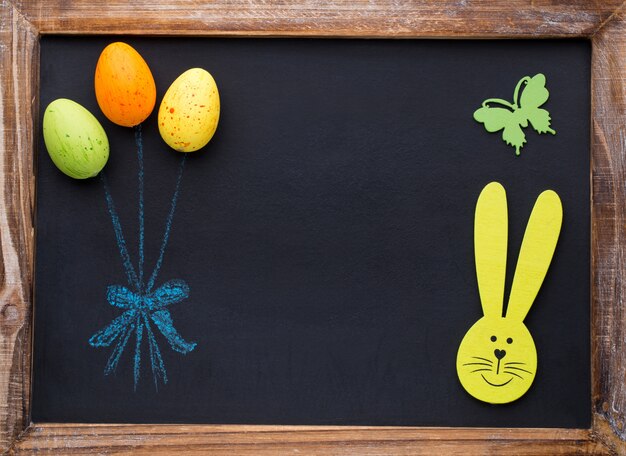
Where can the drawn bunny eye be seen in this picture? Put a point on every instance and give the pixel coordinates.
(509, 341)
(493, 338)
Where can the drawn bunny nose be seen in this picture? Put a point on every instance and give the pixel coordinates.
(499, 353)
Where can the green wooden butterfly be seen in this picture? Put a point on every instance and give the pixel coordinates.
(530, 93)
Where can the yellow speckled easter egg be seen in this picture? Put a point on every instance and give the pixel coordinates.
(190, 110)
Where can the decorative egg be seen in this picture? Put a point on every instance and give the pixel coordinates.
(190, 110)
(124, 85)
(76, 142)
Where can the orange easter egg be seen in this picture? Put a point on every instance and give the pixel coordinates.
(124, 85)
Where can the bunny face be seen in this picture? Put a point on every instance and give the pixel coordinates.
(497, 360)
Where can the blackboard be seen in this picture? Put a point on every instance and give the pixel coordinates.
(326, 235)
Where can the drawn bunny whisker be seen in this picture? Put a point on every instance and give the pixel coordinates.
(513, 373)
(510, 368)
(478, 364)
(517, 369)
(483, 359)
(481, 370)
(486, 363)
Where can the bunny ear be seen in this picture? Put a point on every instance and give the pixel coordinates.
(540, 238)
(490, 242)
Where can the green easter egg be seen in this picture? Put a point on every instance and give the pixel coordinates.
(76, 142)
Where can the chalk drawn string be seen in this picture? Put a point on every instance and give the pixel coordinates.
(168, 226)
(139, 144)
(137, 364)
(119, 235)
(142, 305)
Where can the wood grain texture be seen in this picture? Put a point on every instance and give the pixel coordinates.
(23, 21)
(18, 52)
(309, 440)
(455, 18)
(609, 228)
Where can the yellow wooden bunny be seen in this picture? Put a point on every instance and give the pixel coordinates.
(497, 359)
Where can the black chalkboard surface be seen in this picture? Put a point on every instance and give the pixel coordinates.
(325, 234)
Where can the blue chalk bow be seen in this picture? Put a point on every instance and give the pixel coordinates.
(141, 309)
(142, 305)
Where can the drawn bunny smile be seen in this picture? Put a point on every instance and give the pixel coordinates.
(493, 384)
(497, 358)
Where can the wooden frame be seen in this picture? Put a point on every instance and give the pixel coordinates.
(22, 22)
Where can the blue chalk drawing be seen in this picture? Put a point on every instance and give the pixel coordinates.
(142, 306)
(139, 143)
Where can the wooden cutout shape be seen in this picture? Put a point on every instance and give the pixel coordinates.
(529, 94)
(497, 359)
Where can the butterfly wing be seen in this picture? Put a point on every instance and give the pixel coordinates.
(496, 119)
(539, 119)
(534, 93)
(514, 136)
